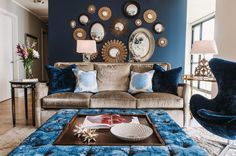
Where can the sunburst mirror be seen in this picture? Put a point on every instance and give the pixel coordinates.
(114, 51)
(119, 26)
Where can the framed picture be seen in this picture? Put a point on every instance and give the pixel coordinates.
(32, 41)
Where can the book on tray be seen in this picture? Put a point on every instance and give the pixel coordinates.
(106, 121)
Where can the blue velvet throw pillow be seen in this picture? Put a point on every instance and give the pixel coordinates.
(166, 81)
(61, 80)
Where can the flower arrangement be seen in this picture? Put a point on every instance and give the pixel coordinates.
(27, 55)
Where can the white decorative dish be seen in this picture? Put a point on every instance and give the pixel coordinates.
(131, 132)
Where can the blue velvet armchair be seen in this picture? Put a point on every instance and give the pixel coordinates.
(219, 114)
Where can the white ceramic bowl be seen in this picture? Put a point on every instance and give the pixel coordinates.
(131, 132)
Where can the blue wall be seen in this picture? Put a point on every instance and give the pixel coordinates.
(172, 13)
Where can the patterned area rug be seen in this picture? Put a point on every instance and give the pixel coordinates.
(12, 138)
(206, 140)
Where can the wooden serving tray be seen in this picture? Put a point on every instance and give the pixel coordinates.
(105, 138)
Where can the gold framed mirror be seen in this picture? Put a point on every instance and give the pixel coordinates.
(162, 42)
(150, 16)
(104, 13)
(119, 26)
(91, 9)
(72, 24)
(142, 44)
(114, 51)
(79, 34)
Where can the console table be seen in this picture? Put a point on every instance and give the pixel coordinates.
(24, 85)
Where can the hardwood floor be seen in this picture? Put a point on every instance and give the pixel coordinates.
(6, 114)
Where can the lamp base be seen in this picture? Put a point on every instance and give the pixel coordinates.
(203, 69)
(86, 57)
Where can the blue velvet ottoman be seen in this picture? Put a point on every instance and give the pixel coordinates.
(41, 141)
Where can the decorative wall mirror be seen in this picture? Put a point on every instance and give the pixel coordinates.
(114, 51)
(73, 24)
(83, 19)
(142, 44)
(79, 34)
(91, 9)
(162, 42)
(158, 28)
(131, 8)
(97, 32)
(150, 16)
(119, 26)
(138, 22)
(104, 13)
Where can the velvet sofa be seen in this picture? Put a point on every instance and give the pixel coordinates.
(113, 84)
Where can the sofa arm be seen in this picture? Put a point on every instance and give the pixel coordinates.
(184, 92)
(41, 91)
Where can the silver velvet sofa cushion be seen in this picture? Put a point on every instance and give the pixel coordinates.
(66, 100)
(112, 99)
(113, 76)
(158, 100)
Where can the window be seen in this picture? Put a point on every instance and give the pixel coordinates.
(202, 31)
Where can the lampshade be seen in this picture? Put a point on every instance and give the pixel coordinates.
(204, 47)
(86, 46)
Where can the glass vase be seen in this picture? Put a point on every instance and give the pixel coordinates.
(28, 71)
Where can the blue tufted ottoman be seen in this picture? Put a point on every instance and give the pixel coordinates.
(41, 141)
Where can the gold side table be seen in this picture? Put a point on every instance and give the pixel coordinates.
(192, 78)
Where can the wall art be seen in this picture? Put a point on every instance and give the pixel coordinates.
(131, 9)
(142, 44)
(119, 26)
(73, 24)
(97, 32)
(114, 51)
(150, 16)
(84, 19)
(162, 42)
(79, 34)
(158, 28)
(138, 22)
(104, 13)
(91, 9)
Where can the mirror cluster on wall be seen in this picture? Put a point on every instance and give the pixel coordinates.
(141, 41)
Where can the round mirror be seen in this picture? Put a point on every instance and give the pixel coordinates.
(97, 32)
(142, 44)
(138, 22)
(91, 9)
(114, 52)
(162, 42)
(159, 28)
(79, 34)
(104, 13)
(119, 26)
(73, 24)
(150, 16)
(131, 8)
(83, 19)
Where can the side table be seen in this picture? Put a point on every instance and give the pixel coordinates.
(24, 85)
(192, 78)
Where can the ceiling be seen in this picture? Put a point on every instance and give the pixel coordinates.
(38, 9)
(198, 9)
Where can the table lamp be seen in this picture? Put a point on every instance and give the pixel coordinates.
(204, 47)
(87, 48)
